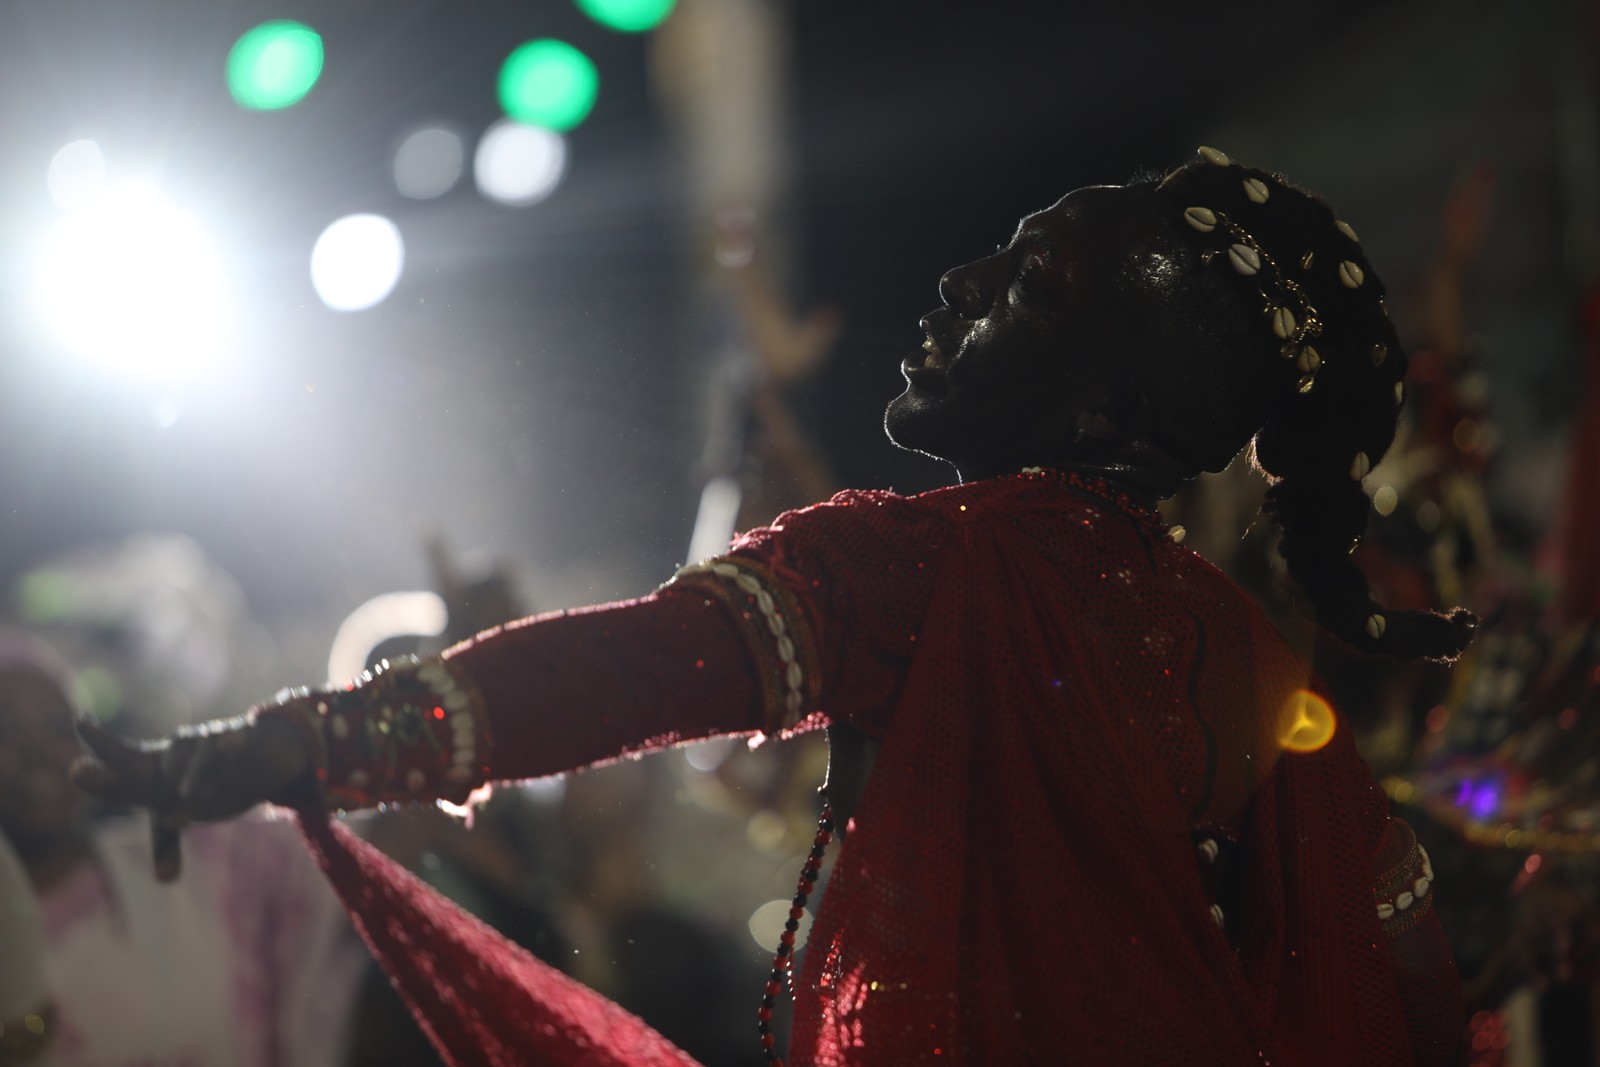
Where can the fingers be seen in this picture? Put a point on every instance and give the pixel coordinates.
(115, 750)
(158, 776)
(164, 840)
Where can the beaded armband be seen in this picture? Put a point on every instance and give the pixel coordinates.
(1402, 892)
(774, 627)
(406, 731)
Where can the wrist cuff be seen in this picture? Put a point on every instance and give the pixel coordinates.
(1403, 893)
(406, 731)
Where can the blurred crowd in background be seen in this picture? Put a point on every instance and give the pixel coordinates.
(572, 388)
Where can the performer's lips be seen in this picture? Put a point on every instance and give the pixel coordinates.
(926, 366)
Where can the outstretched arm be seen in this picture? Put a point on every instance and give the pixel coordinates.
(698, 658)
(584, 687)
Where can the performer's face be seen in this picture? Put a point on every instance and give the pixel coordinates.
(37, 748)
(1032, 338)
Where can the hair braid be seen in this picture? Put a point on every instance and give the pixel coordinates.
(1329, 419)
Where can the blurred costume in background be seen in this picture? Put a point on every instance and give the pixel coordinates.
(249, 962)
(1510, 774)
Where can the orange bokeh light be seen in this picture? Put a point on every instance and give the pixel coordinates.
(1306, 722)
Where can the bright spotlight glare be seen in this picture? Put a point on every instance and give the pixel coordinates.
(519, 165)
(134, 285)
(77, 175)
(428, 163)
(357, 261)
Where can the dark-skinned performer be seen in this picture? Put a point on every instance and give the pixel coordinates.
(1074, 829)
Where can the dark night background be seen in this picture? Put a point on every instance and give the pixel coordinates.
(534, 388)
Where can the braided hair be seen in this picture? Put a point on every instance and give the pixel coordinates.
(1315, 325)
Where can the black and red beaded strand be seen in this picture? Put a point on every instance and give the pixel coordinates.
(783, 961)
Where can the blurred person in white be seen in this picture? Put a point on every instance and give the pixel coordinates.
(246, 962)
(26, 1011)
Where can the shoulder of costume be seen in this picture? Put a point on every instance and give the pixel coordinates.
(848, 506)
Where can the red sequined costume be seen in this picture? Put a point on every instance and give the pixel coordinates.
(1069, 702)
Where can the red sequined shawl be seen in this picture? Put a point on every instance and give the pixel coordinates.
(1064, 696)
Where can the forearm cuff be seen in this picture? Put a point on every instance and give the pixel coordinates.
(1403, 893)
(775, 630)
(408, 731)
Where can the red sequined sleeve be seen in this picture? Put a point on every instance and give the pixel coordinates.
(859, 570)
(807, 621)
(577, 688)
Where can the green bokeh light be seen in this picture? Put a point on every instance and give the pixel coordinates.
(274, 65)
(45, 595)
(548, 83)
(629, 16)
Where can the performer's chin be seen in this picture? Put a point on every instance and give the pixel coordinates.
(911, 421)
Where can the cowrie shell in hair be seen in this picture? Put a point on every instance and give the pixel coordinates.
(1380, 352)
(1376, 624)
(1344, 228)
(1305, 383)
(1283, 323)
(1351, 275)
(1245, 259)
(1360, 466)
(1256, 190)
(1309, 360)
(1306, 260)
(1201, 218)
(1214, 156)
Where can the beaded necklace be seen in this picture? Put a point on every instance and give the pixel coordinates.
(783, 960)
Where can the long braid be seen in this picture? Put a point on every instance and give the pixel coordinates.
(1331, 415)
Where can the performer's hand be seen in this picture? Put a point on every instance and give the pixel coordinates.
(212, 771)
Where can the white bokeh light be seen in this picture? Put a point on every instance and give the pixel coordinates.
(133, 284)
(766, 925)
(357, 262)
(77, 175)
(519, 165)
(428, 163)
